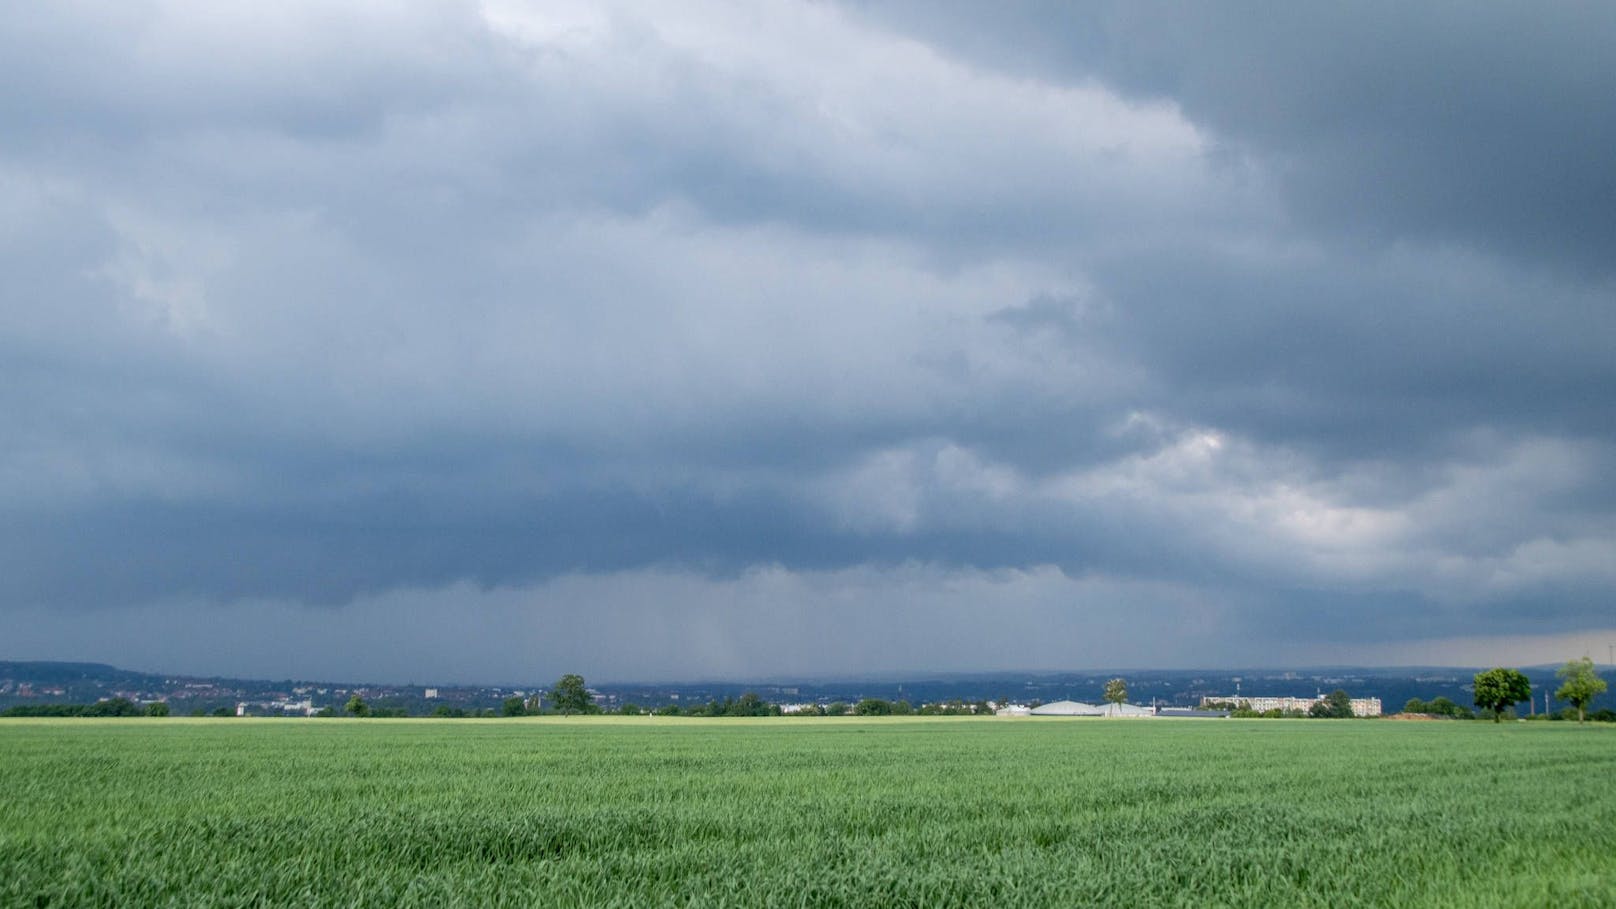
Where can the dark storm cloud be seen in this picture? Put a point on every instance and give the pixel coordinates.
(1436, 122)
(1250, 317)
(1355, 355)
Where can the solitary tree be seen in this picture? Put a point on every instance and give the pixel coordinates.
(1340, 704)
(1116, 691)
(873, 707)
(158, 709)
(1498, 689)
(570, 696)
(513, 706)
(1582, 684)
(357, 706)
(1337, 705)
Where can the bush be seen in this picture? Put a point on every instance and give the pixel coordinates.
(111, 707)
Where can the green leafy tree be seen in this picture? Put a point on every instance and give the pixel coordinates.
(112, 707)
(1441, 706)
(1415, 705)
(356, 705)
(158, 709)
(836, 708)
(1581, 685)
(223, 711)
(1340, 704)
(630, 709)
(873, 707)
(513, 706)
(1116, 691)
(1498, 689)
(570, 695)
(668, 710)
(749, 704)
(1337, 705)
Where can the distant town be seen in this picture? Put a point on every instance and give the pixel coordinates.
(30, 684)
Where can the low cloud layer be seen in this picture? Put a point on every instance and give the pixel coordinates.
(803, 339)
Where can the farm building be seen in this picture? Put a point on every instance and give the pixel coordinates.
(1078, 708)
(1068, 708)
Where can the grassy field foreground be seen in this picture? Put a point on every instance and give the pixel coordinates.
(790, 812)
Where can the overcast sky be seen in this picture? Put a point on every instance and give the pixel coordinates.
(486, 342)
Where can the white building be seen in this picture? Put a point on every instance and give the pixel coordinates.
(1360, 706)
(1067, 708)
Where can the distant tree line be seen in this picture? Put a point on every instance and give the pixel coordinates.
(109, 707)
(1496, 691)
(1439, 706)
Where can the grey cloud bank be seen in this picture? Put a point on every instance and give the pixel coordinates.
(656, 342)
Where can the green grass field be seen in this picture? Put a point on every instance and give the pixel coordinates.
(805, 812)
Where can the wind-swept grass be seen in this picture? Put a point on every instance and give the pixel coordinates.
(784, 812)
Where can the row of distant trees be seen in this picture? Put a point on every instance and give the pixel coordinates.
(570, 696)
(109, 707)
(1498, 690)
(1439, 706)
